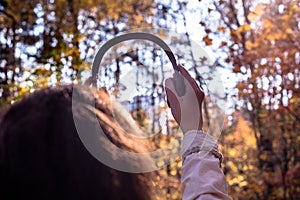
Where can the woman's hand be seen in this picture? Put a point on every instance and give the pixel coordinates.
(187, 110)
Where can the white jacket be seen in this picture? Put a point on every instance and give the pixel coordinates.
(202, 175)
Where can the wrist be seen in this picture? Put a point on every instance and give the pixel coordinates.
(189, 124)
(189, 139)
(197, 141)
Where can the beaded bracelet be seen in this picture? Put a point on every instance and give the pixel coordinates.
(198, 149)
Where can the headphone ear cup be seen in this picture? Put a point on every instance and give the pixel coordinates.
(179, 84)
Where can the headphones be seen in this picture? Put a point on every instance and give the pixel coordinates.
(177, 78)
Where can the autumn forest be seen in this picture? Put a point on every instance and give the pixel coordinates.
(256, 48)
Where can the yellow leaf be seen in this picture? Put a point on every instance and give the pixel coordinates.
(233, 32)
(94, 9)
(160, 163)
(289, 31)
(253, 17)
(260, 8)
(263, 115)
(207, 40)
(223, 44)
(232, 152)
(236, 70)
(244, 28)
(221, 28)
(293, 100)
(250, 45)
(139, 19)
(173, 172)
(263, 156)
(162, 143)
(275, 36)
(179, 164)
(256, 14)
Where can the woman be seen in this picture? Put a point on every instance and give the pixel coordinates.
(42, 157)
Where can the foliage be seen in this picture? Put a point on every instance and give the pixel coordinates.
(262, 47)
(53, 42)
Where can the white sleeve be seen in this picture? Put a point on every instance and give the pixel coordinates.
(202, 175)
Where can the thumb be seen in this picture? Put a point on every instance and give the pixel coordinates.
(170, 90)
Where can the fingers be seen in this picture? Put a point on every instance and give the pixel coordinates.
(169, 85)
(185, 109)
(171, 93)
(172, 99)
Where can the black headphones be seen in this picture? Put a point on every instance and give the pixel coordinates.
(177, 79)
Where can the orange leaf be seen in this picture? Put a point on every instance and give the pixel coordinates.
(221, 28)
(207, 40)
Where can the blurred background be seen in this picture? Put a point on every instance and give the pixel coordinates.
(256, 50)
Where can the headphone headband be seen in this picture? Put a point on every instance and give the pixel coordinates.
(129, 36)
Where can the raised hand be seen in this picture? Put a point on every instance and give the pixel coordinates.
(186, 109)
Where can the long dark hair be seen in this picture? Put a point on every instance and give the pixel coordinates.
(42, 157)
